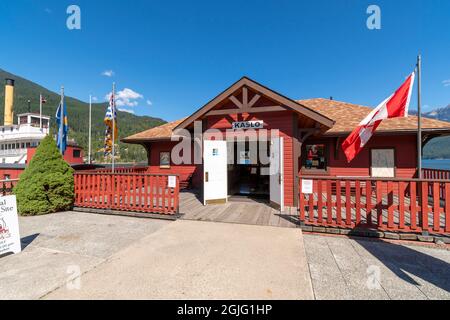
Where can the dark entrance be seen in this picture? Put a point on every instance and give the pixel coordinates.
(248, 167)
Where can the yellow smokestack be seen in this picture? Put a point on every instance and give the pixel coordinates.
(9, 102)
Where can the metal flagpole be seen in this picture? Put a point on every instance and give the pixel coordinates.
(113, 107)
(419, 118)
(61, 116)
(90, 128)
(40, 112)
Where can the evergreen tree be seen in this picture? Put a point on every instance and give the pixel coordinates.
(47, 184)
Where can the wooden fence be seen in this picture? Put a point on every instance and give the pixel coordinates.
(436, 174)
(402, 205)
(7, 186)
(135, 192)
(119, 170)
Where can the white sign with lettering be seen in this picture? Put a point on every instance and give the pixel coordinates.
(248, 125)
(9, 226)
(307, 186)
(172, 182)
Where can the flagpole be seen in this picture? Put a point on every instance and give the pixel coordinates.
(61, 116)
(90, 128)
(40, 112)
(114, 126)
(419, 118)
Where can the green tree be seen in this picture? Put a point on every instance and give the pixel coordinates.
(47, 184)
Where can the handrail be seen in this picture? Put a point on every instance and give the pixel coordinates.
(372, 179)
(126, 174)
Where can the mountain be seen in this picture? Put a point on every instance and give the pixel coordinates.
(438, 148)
(440, 114)
(78, 115)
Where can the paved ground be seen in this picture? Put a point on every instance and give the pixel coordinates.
(343, 268)
(59, 245)
(122, 257)
(203, 260)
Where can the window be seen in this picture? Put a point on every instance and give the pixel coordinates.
(315, 157)
(382, 163)
(164, 160)
(76, 153)
(7, 177)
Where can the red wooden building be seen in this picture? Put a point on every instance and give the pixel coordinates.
(304, 139)
(12, 171)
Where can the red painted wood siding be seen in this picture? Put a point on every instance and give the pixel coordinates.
(10, 173)
(282, 121)
(68, 155)
(185, 171)
(405, 154)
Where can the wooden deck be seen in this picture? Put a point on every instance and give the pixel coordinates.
(240, 212)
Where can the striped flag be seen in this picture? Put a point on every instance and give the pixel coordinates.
(110, 122)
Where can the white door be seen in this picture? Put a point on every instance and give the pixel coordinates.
(215, 174)
(277, 173)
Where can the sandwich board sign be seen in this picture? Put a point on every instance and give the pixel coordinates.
(9, 226)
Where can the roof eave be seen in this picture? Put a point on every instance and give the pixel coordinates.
(441, 131)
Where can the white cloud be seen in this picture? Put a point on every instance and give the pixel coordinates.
(48, 10)
(126, 110)
(149, 103)
(108, 73)
(446, 83)
(126, 98)
(94, 99)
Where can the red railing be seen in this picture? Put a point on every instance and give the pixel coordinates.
(402, 205)
(122, 170)
(436, 174)
(7, 186)
(127, 192)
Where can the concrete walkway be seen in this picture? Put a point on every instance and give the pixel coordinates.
(58, 246)
(202, 260)
(359, 268)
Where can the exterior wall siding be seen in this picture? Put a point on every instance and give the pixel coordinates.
(405, 157)
(186, 172)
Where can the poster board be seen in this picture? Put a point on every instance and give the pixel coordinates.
(307, 186)
(382, 163)
(9, 226)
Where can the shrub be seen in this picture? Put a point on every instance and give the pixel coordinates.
(47, 184)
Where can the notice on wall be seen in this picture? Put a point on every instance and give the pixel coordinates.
(172, 182)
(307, 186)
(9, 226)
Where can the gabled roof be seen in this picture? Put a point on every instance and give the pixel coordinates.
(347, 117)
(163, 132)
(247, 82)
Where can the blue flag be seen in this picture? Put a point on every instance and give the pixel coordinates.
(63, 127)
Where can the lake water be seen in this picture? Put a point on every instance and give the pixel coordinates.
(436, 164)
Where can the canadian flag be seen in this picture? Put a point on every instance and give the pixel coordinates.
(395, 106)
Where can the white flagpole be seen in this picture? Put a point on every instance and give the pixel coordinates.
(114, 126)
(61, 116)
(90, 128)
(419, 118)
(40, 112)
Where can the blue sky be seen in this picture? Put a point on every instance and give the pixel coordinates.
(174, 56)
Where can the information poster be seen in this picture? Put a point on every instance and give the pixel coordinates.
(9, 226)
(307, 186)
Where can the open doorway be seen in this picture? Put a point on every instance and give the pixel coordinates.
(248, 168)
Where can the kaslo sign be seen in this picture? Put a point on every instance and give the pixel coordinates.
(248, 125)
(9, 226)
